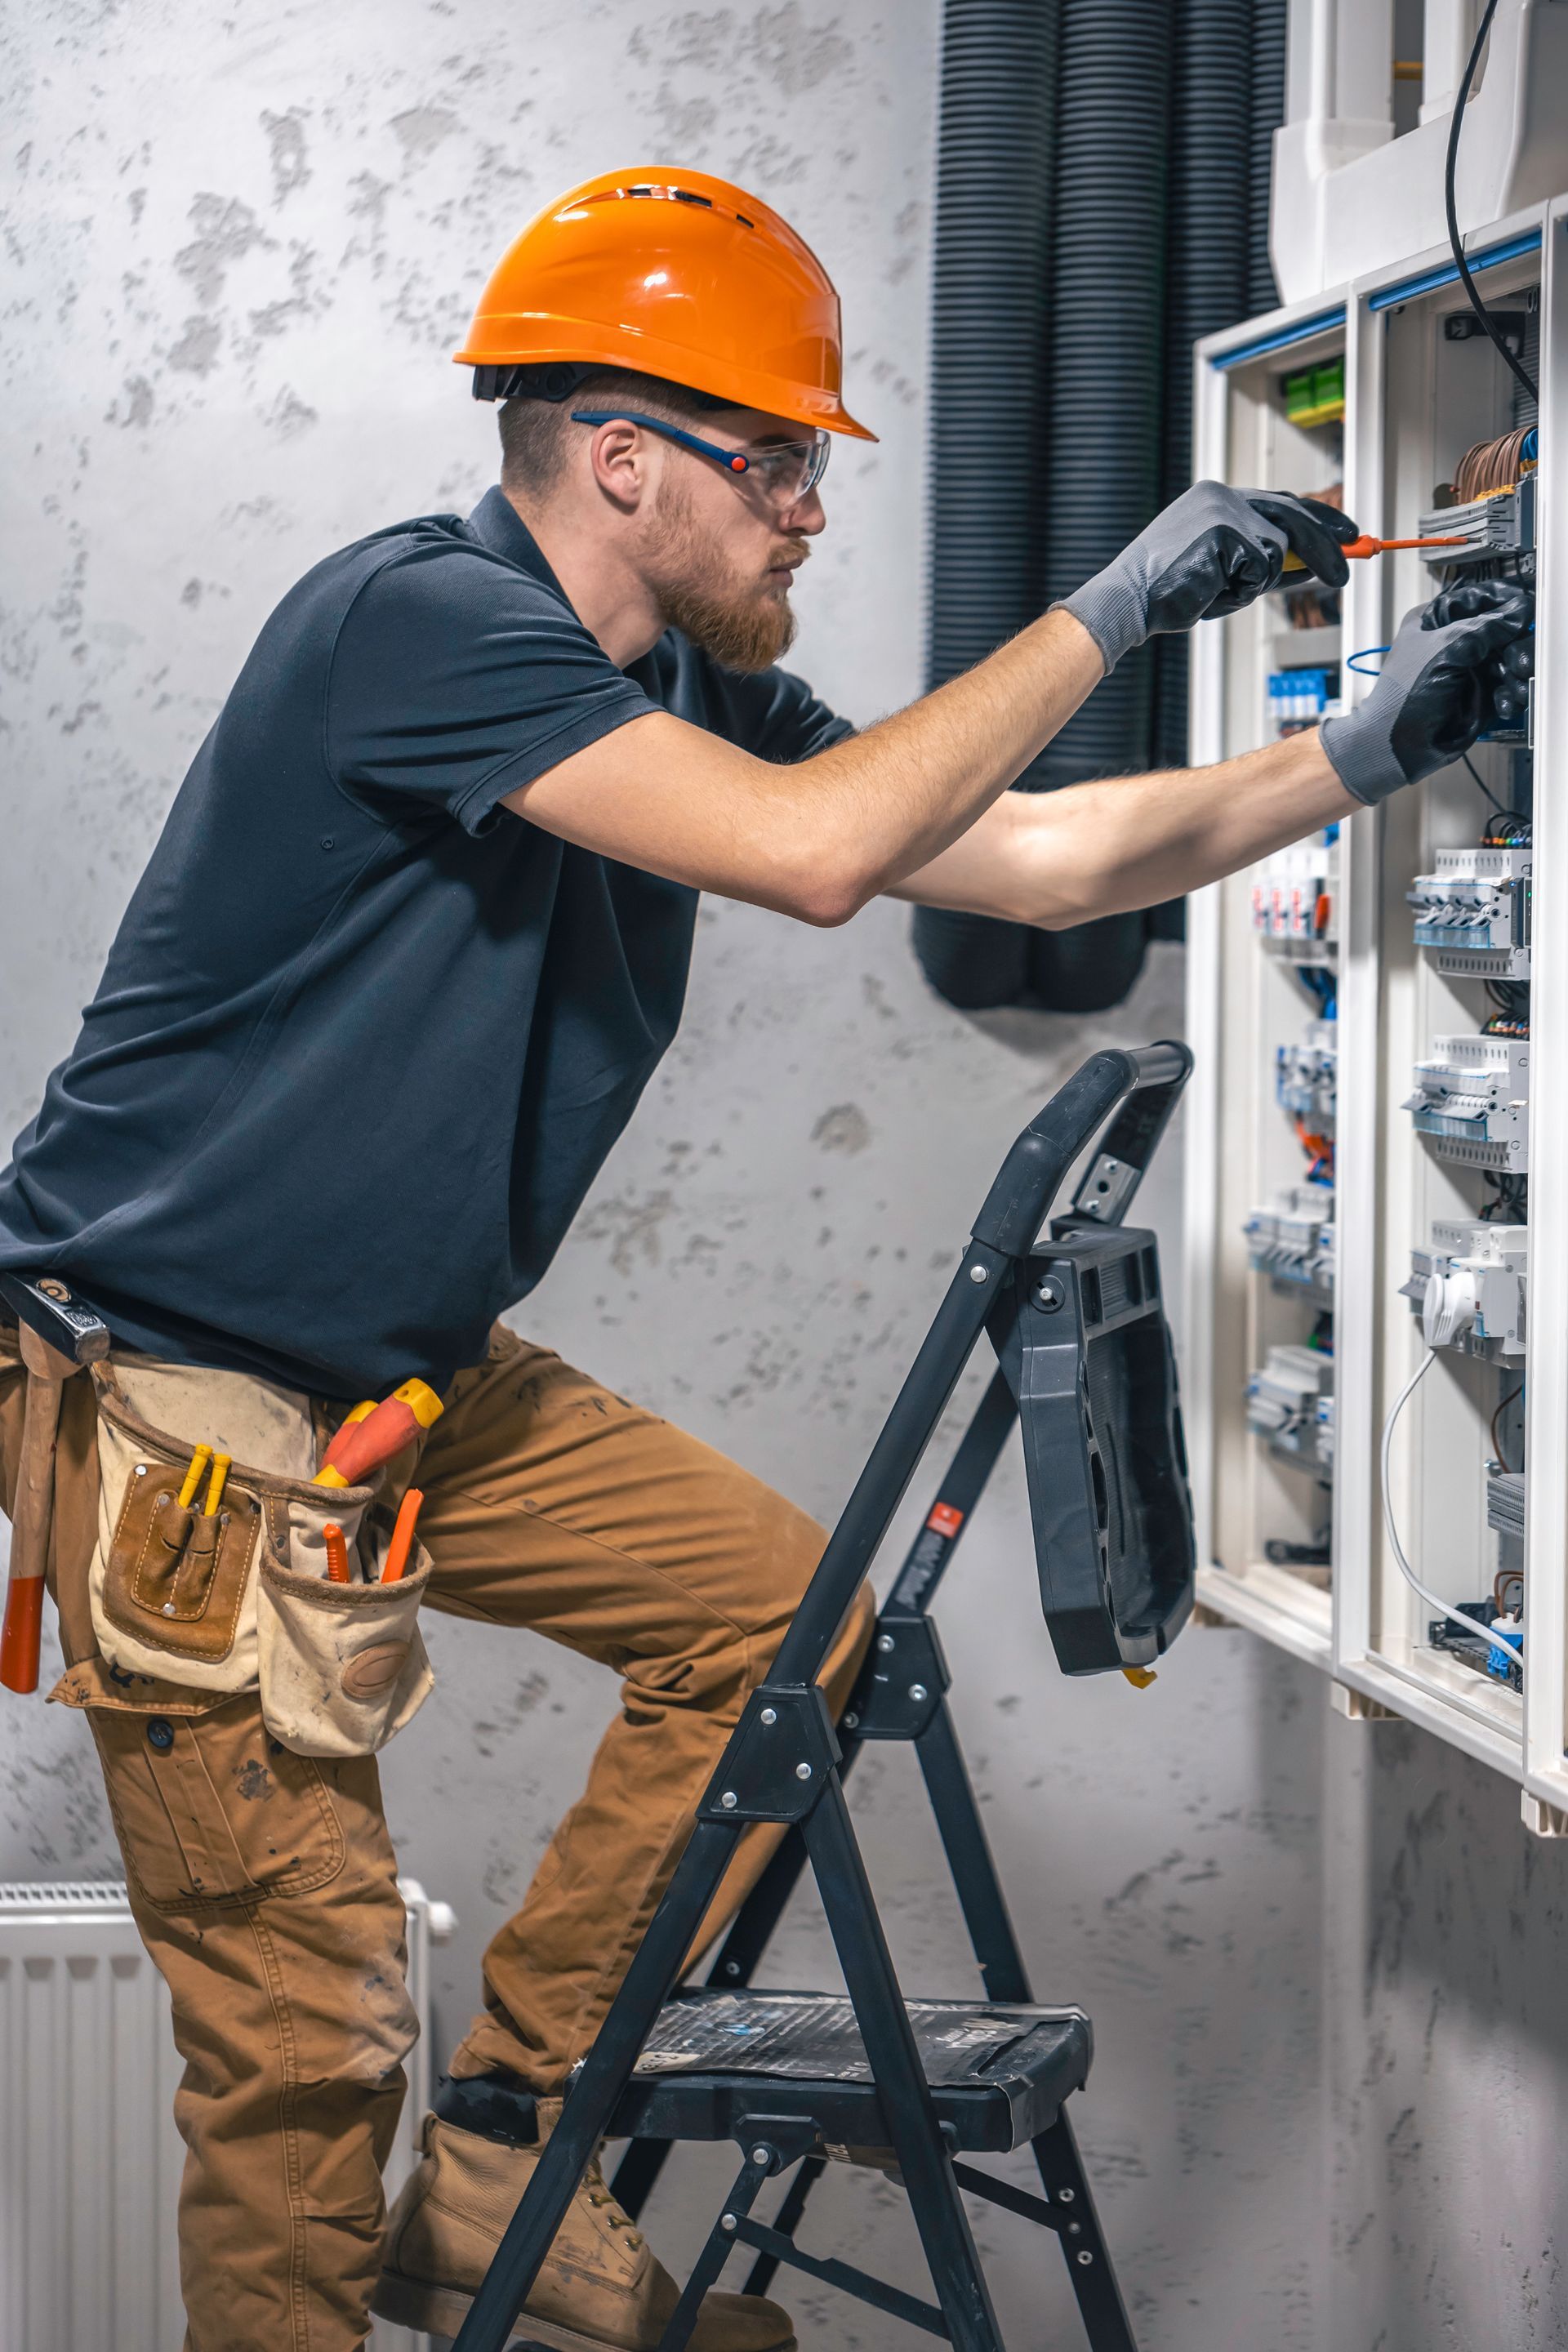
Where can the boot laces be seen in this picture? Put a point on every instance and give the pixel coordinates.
(596, 2188)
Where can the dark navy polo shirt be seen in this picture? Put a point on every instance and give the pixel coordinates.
(364, 1037)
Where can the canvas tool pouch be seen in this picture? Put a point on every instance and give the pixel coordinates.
(240, 1600)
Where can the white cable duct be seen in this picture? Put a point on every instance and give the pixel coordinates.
(1449, 1308)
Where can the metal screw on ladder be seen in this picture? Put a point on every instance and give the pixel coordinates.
(884, 1643)
(728, 1800)
(1066, 2196)
(727, 2221)
(762, 2155)
(770, 1715)
(802, 1772)
(977, 1274)
(917, 1692)
(1085, 2257)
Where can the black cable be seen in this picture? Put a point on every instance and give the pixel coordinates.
(1476, 305)
(1477, 778)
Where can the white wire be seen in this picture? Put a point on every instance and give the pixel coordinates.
(1472, 1626)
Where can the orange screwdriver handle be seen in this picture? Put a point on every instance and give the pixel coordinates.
(362, 1447)
(402, 1543)
(337, 1549)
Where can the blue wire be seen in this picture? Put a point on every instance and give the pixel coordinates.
(1354, 661)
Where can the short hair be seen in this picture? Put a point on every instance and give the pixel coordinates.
(535, 429)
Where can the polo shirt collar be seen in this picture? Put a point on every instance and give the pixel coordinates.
(497, 524)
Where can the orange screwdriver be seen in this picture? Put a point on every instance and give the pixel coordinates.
(1367, 545)
(373, 1433)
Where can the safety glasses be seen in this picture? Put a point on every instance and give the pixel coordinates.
(784, 472)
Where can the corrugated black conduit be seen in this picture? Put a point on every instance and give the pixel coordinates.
(1107, 365)
(1053, 363)
(1270, 35)
(1207, 250)
(996, 147)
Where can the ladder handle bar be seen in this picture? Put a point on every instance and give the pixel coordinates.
(1020, 1200)
(1013, 1210)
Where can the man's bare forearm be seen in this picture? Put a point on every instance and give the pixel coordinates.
(818, 839)
(1056, 858)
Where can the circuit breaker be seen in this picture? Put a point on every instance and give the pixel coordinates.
(1377, 1183)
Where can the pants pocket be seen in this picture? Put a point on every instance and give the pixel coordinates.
(211, 1809)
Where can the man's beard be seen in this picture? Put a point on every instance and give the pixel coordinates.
(746, 630)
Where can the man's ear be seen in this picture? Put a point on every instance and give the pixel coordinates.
(620, 456)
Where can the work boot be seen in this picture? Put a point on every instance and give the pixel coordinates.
(600, 2288)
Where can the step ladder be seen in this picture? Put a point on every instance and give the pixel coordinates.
(1083, 1360)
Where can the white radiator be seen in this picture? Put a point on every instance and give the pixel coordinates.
(89, 2158)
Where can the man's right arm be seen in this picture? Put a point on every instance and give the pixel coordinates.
(817, 839)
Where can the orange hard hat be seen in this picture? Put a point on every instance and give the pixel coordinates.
(677, 275)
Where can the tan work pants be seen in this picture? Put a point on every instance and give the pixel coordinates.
(264, 1883)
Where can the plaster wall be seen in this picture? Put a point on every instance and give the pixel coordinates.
(1322, 1960)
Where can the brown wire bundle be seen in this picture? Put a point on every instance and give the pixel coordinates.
(1491, 466)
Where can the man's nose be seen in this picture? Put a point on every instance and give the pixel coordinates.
(807, 516)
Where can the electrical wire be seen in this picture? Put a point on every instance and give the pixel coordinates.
(1472, 1626)
(1354, 661)
(1512, 1397)
(1477, 778)
(1461, 101)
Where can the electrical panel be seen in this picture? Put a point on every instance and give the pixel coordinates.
(1377, 1220)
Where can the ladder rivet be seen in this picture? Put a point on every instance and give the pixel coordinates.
(917, 1692)
(1066, 2195)
(728, 1800)
(727, 2221)
(770, 1715)
(1074, 2228)
(884, 1643)
(1085, 2257)
(762, 2155)
(802, 1772)
(851, 1721)
(977, 1274)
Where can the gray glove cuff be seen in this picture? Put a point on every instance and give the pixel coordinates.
(1113, 612)
(1361, 756)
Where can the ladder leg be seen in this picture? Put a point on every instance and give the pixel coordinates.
(808, 2172)
(720, 2239)
(1066, 2185)
(901, 2085)
(980, 1894)
(591, 2101)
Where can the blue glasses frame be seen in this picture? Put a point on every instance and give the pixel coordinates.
(733, 461)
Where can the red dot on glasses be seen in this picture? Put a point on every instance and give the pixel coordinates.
(737, 465)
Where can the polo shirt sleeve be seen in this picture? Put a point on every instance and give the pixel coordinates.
(456, 679)
(773, 714)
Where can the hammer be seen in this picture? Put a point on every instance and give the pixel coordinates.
(58, 1334)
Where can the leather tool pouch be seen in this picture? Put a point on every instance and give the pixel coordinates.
(240, 1600)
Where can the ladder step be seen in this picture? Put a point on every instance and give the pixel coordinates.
(998, 2072)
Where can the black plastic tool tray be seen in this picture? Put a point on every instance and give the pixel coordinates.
(998, 2073)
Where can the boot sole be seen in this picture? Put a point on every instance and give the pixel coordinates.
(428, 2309)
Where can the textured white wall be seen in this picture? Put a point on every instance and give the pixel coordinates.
(1322, 1963)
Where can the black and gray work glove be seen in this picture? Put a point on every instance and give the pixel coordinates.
(1211, 552)
(1431, 697)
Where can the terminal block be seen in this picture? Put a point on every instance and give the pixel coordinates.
(1472, 1101)
(1473, 910)
(1296, 900)
(1292, 1241)
(1285, 1398)
(1490, 1266)
(1306, 1078)
(1498, 526)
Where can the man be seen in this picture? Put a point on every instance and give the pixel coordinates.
(412, 941)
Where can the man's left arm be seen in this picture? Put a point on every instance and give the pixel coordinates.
(1053, 859)
(1056, 858)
